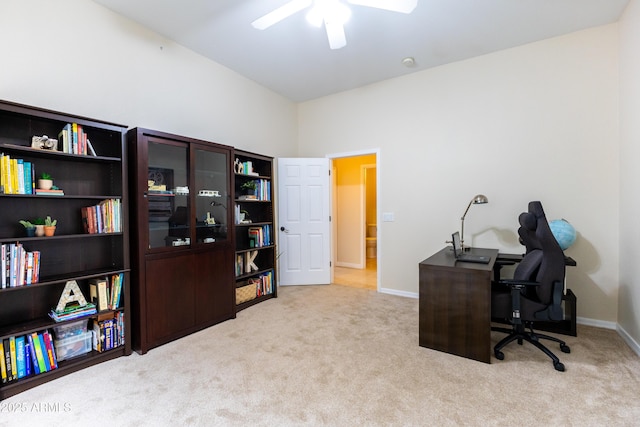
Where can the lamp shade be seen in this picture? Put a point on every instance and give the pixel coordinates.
(480, 199)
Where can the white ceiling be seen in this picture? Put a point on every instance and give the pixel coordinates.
(293, 58)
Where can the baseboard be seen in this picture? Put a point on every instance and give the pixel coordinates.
(597, 323)
(349, 265)
(399, 293)
(629, 340)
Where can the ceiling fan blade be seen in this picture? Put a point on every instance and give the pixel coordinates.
(281, 13)
(335, 34)
(402, 6)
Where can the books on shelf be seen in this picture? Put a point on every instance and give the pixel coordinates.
(109, 333)
(18, 266)
(105, 293)
(262, 191)
(17, 176)
(40, 192)
(26, 355)
(75, 141)
(265, 286)
(244, 168)
(259, 236)
(105, 217)
(263, 283)
(74, 311)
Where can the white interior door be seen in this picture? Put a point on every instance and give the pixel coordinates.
(304, 206)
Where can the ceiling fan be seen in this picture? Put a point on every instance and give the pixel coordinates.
(333, 13)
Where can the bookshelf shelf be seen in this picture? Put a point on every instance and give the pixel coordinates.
(255, 241)
(53, 281)
(35, 152)
(71, 254)
(60, 237)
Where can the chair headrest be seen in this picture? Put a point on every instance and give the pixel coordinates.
(528, 220)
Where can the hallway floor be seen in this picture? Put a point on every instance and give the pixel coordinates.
(358, 278)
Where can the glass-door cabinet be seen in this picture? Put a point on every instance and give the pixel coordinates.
(184, 195)
(167, 194)
(211, 183)
(182, 251)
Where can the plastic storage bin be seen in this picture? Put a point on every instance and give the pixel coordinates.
(70, 329)
(75, 345)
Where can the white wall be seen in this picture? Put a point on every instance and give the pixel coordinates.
(629, 300)
(537, 122)
(78, 57)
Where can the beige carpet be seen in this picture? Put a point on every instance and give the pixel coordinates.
(339, 356)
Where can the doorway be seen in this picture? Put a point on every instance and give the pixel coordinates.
(355, 236)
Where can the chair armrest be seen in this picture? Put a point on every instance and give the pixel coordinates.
(518, 283)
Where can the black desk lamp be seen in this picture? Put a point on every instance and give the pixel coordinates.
(479, 199)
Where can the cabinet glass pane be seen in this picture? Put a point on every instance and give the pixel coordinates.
(168, 196)
(211, 181)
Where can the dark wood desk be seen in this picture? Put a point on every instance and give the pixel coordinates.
(455, 304)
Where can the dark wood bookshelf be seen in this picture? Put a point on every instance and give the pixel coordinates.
(260, 212)
(70, 254)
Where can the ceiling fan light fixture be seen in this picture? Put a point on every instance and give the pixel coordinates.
(334, 14)
(328, 11)
(335, 35)
(280, 13)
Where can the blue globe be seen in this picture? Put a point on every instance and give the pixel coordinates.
(564, 232)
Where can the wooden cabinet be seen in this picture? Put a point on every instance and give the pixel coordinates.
(255, 229)
(71, 254)
(182, 236)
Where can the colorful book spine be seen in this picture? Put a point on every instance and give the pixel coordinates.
(7, 359)
(45, 356)
(3, 266)
(74, 138)
(20, 359)
(37, 345)
(14, 176)
(27, 357)
(34, 357)
(48, 342)
(28, 178)
(14, 362)
(3, 365)
(20, 175)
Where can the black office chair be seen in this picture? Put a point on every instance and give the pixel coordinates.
(535, 292)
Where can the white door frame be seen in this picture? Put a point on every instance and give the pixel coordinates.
(358, 153)
(364, 169)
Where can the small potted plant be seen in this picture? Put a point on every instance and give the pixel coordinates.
(49, 226)
(45, 182)
(248, 187)
(39, 225)
(29, 228)
(244, 217)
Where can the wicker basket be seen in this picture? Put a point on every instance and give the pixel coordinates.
(245, 293)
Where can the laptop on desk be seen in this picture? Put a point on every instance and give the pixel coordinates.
(464, 257)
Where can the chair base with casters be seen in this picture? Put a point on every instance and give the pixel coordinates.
(513, 304)
(520, 333)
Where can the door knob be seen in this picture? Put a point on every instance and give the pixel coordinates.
(284, 229)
